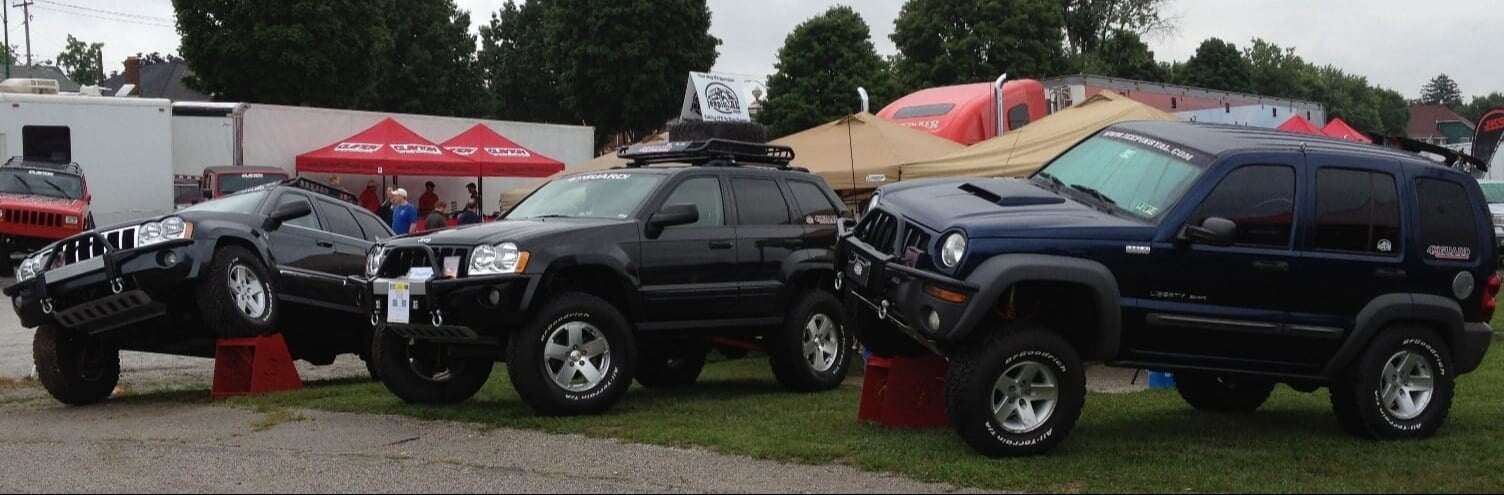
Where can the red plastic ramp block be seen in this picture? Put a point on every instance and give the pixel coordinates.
(253, 366)
(901, 392)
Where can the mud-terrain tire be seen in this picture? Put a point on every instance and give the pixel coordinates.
(76, 369)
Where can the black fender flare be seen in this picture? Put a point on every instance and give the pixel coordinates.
(624, 280)
(1389, 308)
(997, 274)
(803, 262)
(217, 234)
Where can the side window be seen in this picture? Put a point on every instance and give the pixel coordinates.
(812, 201)
(1356, 211)
(705, 194)
(1260, 199)
(374, 228)
(759, 202)
(1448, 229)
(340, 220)
(1018, 116)
(309, 221)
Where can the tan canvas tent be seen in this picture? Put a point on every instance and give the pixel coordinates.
(603, 162)
(1020, 153)
(876, 146)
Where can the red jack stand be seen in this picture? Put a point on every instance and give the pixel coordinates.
(253, 366)
(903, 392)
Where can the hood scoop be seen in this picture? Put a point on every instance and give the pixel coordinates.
(1011, 193)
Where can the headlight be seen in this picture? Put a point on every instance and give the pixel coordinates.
(374, 259)
(30, 267)
(499, 259)
(169, 229)
(871, 204)
(952, 249)
(70, 220)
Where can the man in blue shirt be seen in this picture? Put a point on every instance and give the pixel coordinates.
(404, 214)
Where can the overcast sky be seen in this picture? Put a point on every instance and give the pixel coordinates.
(1399, 44)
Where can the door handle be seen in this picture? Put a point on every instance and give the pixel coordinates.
(1389, 273)
(327, 244)
(721, 244)
(1271, 266)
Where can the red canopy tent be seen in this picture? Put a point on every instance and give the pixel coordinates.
(499, 156)
(388, 148)
(1339, 129)
(1300, 125)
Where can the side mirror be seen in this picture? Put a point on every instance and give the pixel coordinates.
(671, 215)
(1214, 231)
(288, 212)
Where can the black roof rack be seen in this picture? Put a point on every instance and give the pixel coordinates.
(711, 151)
(313, 186)
(35, 163)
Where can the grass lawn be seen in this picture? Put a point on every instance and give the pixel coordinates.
(1148, 441)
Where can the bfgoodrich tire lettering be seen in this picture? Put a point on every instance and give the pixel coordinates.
(972, 391)
(425, 373)
(1404, 359)
(529, 355)
(75, 368)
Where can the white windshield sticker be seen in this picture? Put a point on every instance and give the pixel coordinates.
(40, 172)
(600, 177)
(1152, 143)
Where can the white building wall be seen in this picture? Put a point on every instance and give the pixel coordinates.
(1252, 115)
(199, 142)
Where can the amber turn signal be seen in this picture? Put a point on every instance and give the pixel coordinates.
(944, 294)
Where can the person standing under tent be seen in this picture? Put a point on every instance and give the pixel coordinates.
(404, 214)
(474, 192)
(429, 200)
(369, 199)
(385, 210)
(471, 214)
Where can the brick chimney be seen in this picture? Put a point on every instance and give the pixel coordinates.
(133, 71)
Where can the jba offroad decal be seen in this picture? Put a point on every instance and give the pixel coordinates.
(1460, 253)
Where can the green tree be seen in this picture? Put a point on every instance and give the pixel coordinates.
(1217, 64)
(1274, 70)
(1475, 109)
(432, 68)
(1441, 90)
(81, 61)
(327, 53)
(1091, 23)
(6, 55)
(514, 58)
(1122, 54)
(622, 63)
(1351, 98)
(944, 42)
(821, 64)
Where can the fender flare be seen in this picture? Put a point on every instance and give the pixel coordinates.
(999, 273)
(800, 263)
(1389, 308)
(625, 281)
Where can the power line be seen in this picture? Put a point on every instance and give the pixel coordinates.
(109, 12)
(116, 19)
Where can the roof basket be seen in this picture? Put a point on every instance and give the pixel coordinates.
(712, 151)
(313, 186)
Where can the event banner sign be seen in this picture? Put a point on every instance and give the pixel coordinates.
(1489, 135)
(715, 98)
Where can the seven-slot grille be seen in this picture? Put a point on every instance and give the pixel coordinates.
(881, 230)
(400, 261)
(82, 248)
(33, 218)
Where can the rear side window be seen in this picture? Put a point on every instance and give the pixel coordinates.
(759, 202)
(812, 201)
(375, 229)
(340, 220)
(1448, 229)
(1357, 211)
(1260, 199)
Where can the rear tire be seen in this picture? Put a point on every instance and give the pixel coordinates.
(238, 297)
(880, 337)
(1400, 387)
(1216, 393)
(576, 356)
(811, 352)
(424, 373)
(1015, 391)
(75, 368)
(670, 364)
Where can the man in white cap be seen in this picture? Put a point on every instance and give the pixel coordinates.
(404, 214)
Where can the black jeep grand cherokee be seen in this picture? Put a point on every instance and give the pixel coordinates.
(602, 277)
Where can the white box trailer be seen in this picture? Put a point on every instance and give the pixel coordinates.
(123, 144)
(218, 134)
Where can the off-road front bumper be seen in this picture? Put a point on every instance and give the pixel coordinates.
(105, 292)
(908, 297)
(453, 309)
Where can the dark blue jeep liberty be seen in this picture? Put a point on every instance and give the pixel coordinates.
(1236, 258)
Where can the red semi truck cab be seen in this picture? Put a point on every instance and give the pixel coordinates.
(40, 202)
(966, 113)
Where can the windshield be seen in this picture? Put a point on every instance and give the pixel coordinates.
(1128, 173)
(613, 195)
(41, 182)
(239, 203)
(234, 183)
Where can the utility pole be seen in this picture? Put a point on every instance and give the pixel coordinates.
(25, 6)
(6, 23)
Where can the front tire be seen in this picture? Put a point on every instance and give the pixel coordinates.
(238, 297)
(811, 351)
(576, 356)
(75, 368)
(1217, 393)
(1401, 387)
(425, 373)
(1015, 391)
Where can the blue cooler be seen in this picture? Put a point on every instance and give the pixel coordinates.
(1161, 379)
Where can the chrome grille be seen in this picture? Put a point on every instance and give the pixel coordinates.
(86, 247)
(29, 217)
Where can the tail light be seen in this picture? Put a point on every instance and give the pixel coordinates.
(1486, 313)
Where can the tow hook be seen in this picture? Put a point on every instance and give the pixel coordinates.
(374, 318)
(438, 318)
(47, 306)
(117, 285)
(882, 311)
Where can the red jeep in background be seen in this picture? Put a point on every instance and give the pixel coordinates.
(40, 202)
(218, 182)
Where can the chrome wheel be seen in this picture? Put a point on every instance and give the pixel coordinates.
(822, 342)
(1407, 385)
(577, 356)
(1024, 397)
(248, 291)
